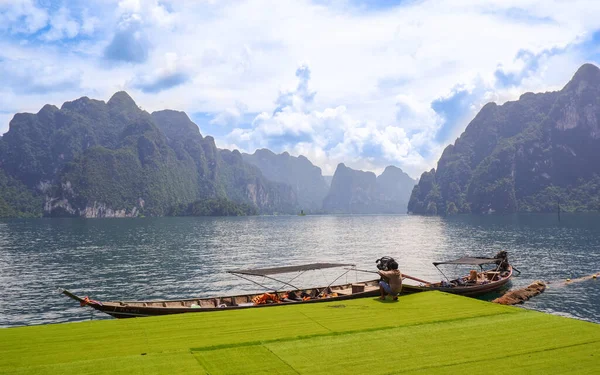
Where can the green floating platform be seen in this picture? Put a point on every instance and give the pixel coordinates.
(425, 333)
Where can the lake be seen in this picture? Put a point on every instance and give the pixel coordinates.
(156, 258)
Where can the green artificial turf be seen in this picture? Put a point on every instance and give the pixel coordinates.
(422, 333)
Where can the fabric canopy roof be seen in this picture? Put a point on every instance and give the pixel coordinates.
(476, 261)
(278, 270)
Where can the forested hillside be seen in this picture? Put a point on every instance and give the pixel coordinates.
(523, 156)
(95, 159)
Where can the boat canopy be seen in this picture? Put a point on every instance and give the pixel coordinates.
(476, 261)
(286, 269)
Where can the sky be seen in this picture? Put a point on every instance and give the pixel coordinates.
(367, 83)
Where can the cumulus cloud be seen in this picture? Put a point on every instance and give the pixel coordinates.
(129, 43)
(45, 21)
(26, 77)
(142, 25)
(153, 11)
(89, 22)
(332, 135)
(22, 16)
(299, 98)
(525, 64)
(162, 82)
(173, 72)
(394, 84)
(5, 118)
(62, 26)
(291, 121)
(231, 116)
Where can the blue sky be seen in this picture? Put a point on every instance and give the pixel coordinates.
(367, 83)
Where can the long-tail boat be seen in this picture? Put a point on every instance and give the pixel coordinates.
(476, 283)
(293, 295)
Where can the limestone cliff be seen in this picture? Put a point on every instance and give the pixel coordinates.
(526, 155)
(354, 191)
(95, 159)
(305, 179)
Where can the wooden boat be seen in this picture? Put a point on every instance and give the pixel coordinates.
(130, 309)
(476, 283)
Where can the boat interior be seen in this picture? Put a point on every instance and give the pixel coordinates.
(301, 295)
(475, 278)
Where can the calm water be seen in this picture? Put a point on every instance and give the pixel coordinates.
(155, 258)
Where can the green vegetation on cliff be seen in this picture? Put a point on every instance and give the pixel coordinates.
(524, 155)
(16, 200)
(214, 207)
(95, 159)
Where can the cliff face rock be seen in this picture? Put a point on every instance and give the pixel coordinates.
(355, 191)
(62, 207)
(305, 179)
(244, 181)
(95, 159)
(393, 190)
(351, 191)
(524, 155)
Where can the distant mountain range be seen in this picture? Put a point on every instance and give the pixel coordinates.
(92, 158)
(347, 191)
(355, 191)
(528, 155)
(306, 180)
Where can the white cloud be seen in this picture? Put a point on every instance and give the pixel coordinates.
(62, 26)
(230, 116)
(4, 121)
(173, 71)
(22, 16)
(37, 76)
(129, 6)
(89, 23)
(331, 135)
(375, 73)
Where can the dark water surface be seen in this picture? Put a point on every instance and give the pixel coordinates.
(156, 258)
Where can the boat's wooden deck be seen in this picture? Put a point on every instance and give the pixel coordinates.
(241, 300)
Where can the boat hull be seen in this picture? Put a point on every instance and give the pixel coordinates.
(132, 309)
(469, 291)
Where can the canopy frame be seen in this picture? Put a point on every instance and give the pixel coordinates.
(288, 269)
(301, 269)
(473, 261)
